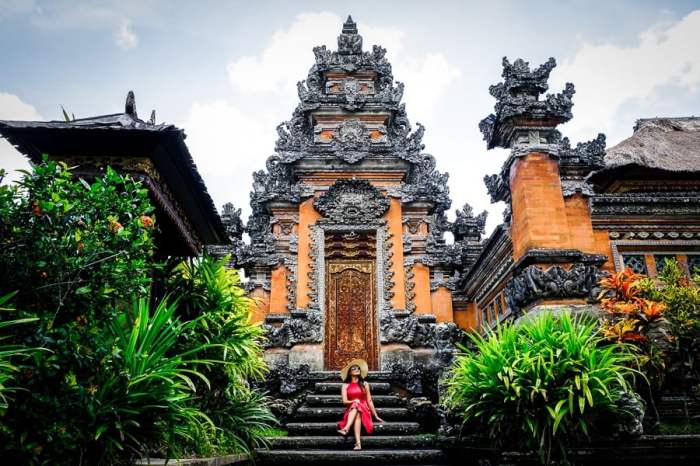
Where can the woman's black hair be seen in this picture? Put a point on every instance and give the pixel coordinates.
(360, 380)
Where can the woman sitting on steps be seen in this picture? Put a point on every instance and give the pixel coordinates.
(357, 400)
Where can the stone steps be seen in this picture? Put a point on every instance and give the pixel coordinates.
(330, 428)
(332, 413)
(379, 388)
(333, 376)
(313, 438)
(335, 400)
(381, 442)
(294, 457)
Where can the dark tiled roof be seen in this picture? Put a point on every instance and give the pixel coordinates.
(33, 138)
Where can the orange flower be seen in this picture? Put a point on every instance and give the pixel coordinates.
(146, 221)
(36, 210)
(115, 226)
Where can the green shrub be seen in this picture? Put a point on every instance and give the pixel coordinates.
(144, 392)
(541, 383)
(115, 380)
(212, 292)
(681, 296)
(10, 354)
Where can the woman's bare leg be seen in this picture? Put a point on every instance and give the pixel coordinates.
(351, 419)
(358, 428)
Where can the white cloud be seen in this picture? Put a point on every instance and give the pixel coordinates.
(288, 56)
(228, 144)
(124, 37)
(608, 76)
(13, 108)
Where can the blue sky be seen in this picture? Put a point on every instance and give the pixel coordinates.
(226, 71)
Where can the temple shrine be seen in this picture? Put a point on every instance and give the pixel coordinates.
(347, 255)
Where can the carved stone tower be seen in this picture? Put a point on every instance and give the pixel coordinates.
(543, 183)
(347, 255)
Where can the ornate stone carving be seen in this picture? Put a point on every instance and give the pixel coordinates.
(534, 283)
(588, 154)
(351, 142)
(518, 97)
(409, 286)
(349, 42)
(576, 163)
(231, 218)
(301, 327)
(352, 202)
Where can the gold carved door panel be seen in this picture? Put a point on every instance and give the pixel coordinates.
(351, 329)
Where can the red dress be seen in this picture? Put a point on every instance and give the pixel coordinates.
(359, 398)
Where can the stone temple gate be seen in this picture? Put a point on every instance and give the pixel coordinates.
(347, 254)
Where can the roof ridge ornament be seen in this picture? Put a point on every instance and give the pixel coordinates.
(349, 41)
(130, 105)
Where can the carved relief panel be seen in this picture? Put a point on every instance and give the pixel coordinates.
(351, 330)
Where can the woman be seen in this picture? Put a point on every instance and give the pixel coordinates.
(357, 400)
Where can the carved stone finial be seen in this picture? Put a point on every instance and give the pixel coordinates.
(467, 226)
(130, 105)
(349, 41)
(350, 26)
(518, 105)
(231, 218)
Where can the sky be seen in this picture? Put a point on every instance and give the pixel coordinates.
(226, 71)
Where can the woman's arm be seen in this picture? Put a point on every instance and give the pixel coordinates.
(370, 403)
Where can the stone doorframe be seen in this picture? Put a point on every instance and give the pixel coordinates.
(382, 268)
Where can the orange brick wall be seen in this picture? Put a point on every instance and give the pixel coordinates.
(442, 304)
(421, 280)
(307, 217)
(580, 227)
(261, 305)
(539, 216)
(466, 318)
(393, 217)
(602, 241)
(278, 290)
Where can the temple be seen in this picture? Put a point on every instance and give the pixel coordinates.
(347, 255)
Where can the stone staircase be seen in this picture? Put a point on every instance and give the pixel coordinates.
(313, 439)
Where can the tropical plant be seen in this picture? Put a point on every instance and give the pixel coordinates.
(75, 252)
(680, 296)
(211, 291)
(74, 249)
(544, 381)
(10, 353)
(146, 391)
(116, 380)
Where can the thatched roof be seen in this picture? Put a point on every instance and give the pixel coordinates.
(671, 144)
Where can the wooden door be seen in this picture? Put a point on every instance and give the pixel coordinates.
(351, 329)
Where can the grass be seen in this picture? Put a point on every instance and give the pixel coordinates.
(679, 427)
(273, 432)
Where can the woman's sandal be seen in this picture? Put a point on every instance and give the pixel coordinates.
(357, 447)
(343, 432)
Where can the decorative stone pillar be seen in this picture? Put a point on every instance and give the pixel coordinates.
(556, 261)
